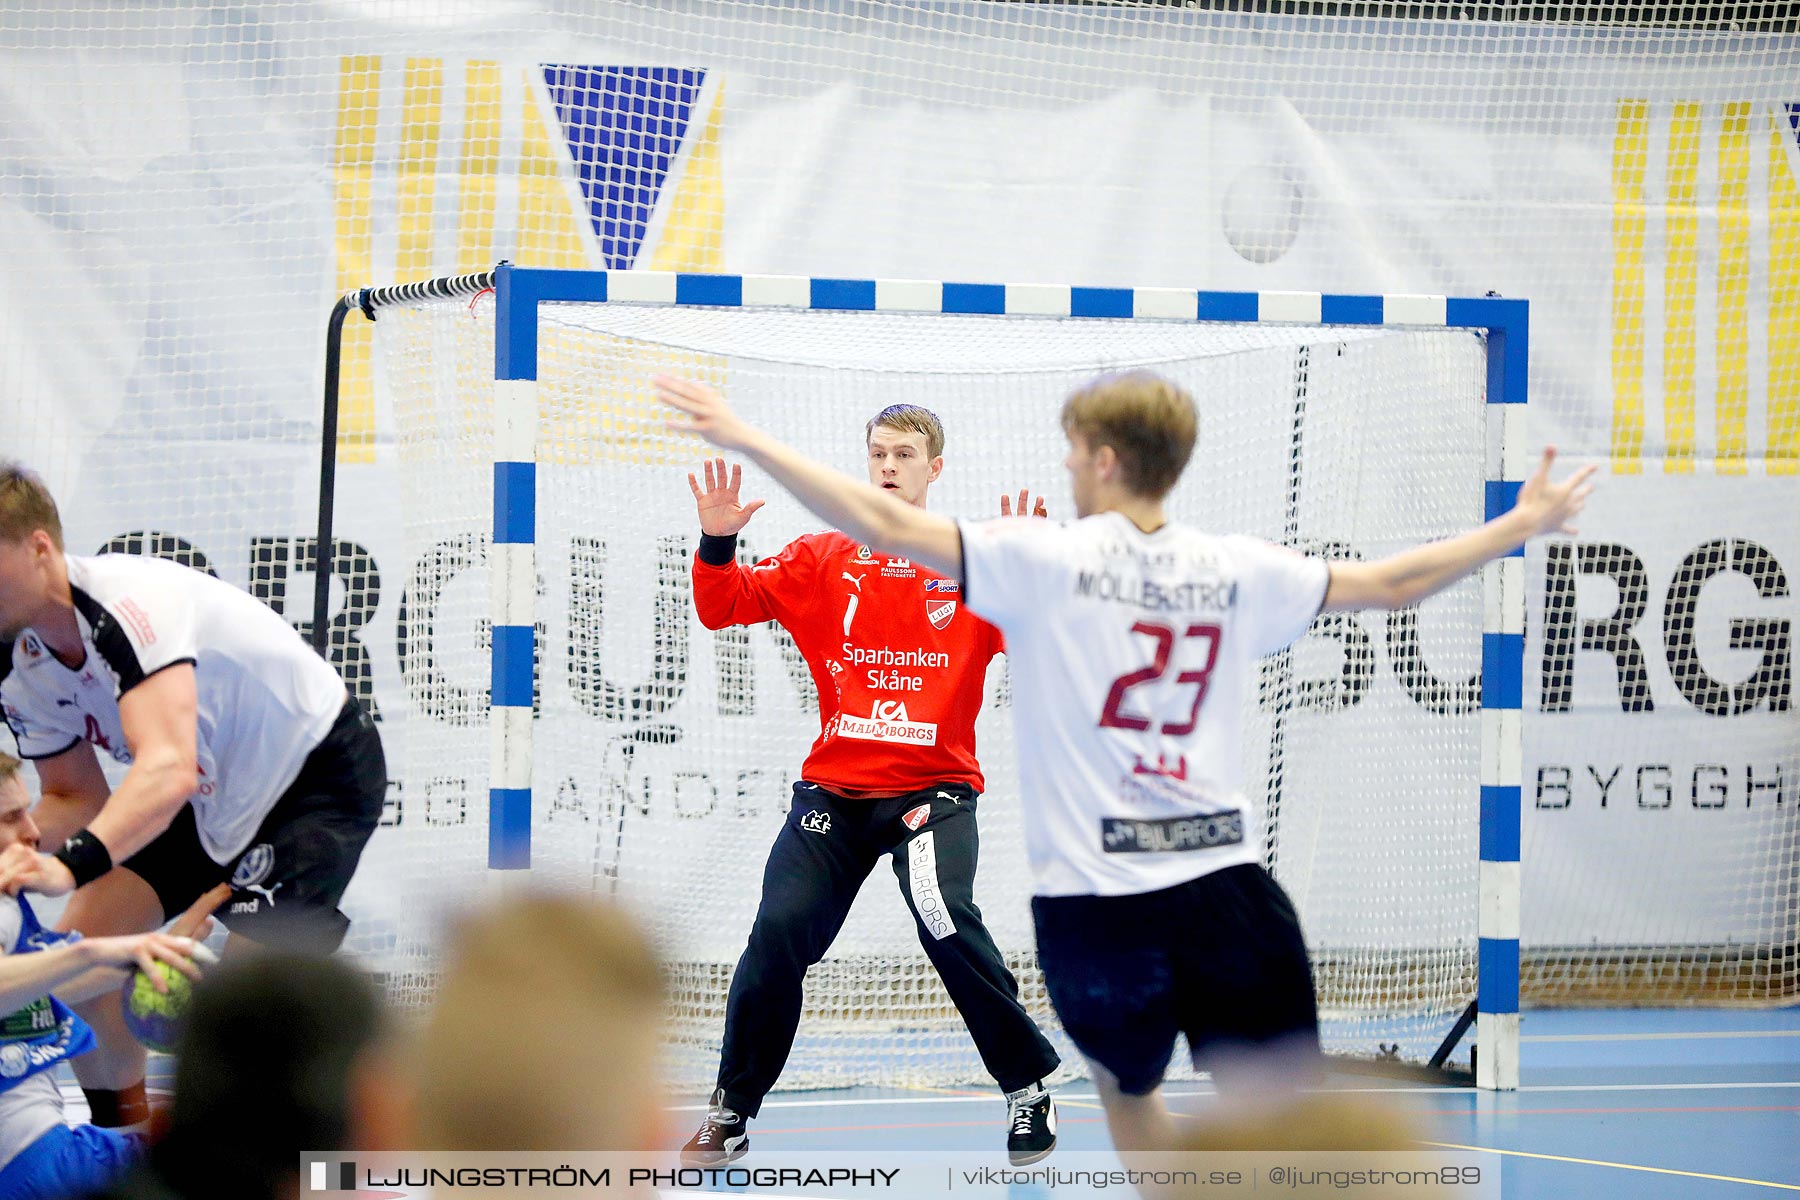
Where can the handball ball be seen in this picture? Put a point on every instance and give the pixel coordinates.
(155, 1018)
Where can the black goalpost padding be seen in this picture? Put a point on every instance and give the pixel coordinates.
(368, 301)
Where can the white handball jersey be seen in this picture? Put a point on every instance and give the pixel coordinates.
(265, 698)
(1132, 656)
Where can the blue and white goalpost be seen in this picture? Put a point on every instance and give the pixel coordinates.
(1342, 424)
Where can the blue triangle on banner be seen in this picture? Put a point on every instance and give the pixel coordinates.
(624, 127)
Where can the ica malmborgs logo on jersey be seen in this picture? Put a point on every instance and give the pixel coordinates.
(887, 722)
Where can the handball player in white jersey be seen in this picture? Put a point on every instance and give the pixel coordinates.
(1132, 642)
(247, 761)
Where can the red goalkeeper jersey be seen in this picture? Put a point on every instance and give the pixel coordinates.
(898, 661)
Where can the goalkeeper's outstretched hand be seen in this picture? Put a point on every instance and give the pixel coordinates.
(1025, 507)
(721, 515)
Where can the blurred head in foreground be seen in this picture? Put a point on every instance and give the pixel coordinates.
(281, 1053)
(546, 1034)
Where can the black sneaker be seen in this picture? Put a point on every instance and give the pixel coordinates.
(721, 1138)
(1031, 1134)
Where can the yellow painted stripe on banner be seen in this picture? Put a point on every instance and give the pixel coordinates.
(693, 239)
(1732, 406)
(550, 231)
(693, 236)
(1681, 288)
(353, 179)
(1631, 152)
(421, 125)
(1784, 302)
(479, 170)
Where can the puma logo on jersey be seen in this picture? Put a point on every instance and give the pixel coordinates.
(855, 580)
(268, 898)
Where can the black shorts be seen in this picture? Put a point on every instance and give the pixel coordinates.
(287, 883)
(1218, 959)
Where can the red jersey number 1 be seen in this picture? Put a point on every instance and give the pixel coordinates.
(1114, 715)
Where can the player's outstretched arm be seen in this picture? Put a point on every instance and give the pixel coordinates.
(1410, 576)
(161, 727)
(90, 967)
(114, 956)
(72, 790)
(863, 512)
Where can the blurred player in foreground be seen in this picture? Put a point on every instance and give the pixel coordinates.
(1133, 641)
(900, 665)
(282, 1053)
(546, 1033)
(248, 760)
(41, 1157)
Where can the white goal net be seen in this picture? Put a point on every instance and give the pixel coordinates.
(664, 752)
(189, 184)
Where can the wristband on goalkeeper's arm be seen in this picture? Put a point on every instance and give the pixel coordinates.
(86, 856)
(718, 550)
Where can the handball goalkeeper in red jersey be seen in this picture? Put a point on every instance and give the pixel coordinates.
(900, 665)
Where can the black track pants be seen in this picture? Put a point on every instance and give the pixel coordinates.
(816, 866)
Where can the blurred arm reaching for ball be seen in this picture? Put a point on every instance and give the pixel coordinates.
(93, 966)
(81, 970)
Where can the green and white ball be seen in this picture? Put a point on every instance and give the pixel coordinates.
(156, 1018)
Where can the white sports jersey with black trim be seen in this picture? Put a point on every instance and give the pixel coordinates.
(265, 699)
(1132, 658)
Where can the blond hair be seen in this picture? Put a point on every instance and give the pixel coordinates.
(26, 505)
(546, 1033)
(1149, 422)
(909, 418)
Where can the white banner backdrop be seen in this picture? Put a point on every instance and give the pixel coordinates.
(185, 188)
